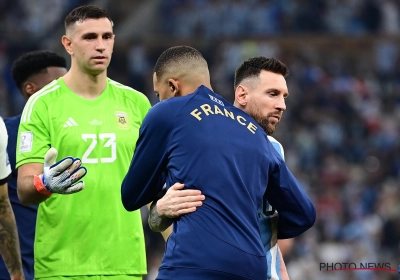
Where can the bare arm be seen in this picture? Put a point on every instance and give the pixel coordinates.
(156, 222)
(283, 270)
(285, 245)
(175, 203)
(27, 192)
(9, 244)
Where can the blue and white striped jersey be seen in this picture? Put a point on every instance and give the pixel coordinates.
(268, 218)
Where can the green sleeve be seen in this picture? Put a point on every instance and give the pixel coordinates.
(33, 134)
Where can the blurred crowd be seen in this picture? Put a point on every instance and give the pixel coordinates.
(341, 128)
(213, 19)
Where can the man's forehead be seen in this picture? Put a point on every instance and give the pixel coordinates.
(155, 82)
(155, 79)
(273, 80)
(272, 76)
(90, 25)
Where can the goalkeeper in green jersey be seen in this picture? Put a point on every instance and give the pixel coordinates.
(91, 120)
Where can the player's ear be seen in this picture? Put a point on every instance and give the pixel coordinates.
(67, 43)
(241, 95)
(28, 89)
(174, 87)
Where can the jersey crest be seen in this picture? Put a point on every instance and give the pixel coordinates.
(122, 119)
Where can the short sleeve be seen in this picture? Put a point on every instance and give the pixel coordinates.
(33, 133)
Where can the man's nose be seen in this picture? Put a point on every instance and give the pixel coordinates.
(281, 105)
(100, 45)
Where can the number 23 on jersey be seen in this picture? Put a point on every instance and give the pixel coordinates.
(106, 141)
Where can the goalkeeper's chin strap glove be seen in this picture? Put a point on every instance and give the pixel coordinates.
(60, 177)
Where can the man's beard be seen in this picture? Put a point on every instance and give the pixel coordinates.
(268, 127)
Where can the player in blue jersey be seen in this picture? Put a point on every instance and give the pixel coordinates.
(212, 146)
(255, 77)
(9, 245)
(30, 72)
(177, 202)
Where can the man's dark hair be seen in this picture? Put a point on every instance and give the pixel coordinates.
(253, 66)
(85, 12)
(175, 56)
(35, 62)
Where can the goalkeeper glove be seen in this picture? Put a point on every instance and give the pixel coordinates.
(60, 177)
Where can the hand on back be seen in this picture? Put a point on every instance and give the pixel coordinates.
(179, 201)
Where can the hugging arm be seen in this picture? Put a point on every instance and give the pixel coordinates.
(146, 174)
(172, 204)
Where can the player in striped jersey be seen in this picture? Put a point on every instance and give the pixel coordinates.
(178, 202)
(249, 76)
(268, 218)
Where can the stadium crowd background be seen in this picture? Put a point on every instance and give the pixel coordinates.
(341, 128)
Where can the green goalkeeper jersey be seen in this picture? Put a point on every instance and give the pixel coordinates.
(89, 232)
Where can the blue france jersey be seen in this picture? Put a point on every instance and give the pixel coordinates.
(269, 228)
(210, 145)
(25, 216)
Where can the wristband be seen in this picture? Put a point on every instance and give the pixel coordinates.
(40, 187)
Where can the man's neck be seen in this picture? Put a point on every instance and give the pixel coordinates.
(86, 85)
(191, 87)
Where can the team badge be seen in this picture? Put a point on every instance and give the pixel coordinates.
(122, 119)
